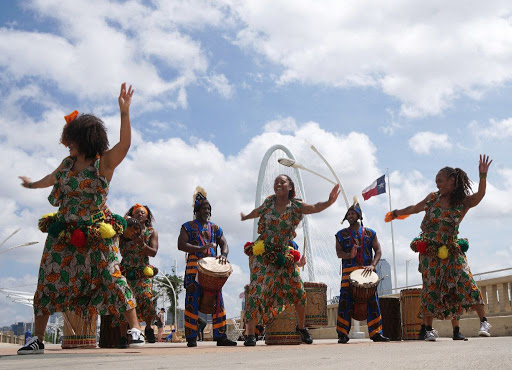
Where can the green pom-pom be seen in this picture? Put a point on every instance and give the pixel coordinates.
(120, 219)
(55, 229)
(281, 260)
(130, 275)
(463, 244)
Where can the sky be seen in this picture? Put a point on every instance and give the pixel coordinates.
(409, 86)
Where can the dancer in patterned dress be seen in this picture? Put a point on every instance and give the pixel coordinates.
(275, 278)
(79, 271)
(448, 285)
(199, 238)
(136, 268)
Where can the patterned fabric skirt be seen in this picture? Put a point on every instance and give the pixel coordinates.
(85, 280)
(143, 291)
(271, 288)
(449, 289)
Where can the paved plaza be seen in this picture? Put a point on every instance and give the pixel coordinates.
(476, 353)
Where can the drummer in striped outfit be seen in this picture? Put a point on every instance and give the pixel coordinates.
(355, 245)
(199, 238)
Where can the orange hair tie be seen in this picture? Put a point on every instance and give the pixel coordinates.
(71, 116)
(137, 206)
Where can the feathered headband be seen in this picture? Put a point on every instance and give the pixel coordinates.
(199, 198)
(356, 208)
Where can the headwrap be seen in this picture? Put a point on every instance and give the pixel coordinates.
(199, 199)
(356, 208)
(137, 206)
(71, 116)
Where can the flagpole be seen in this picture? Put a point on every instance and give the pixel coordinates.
(392, 234)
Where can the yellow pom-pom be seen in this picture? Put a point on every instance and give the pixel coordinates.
(49, 215)
(62, 234)
(106, 230)
(148, 271)
(258, 248)
(442, 252)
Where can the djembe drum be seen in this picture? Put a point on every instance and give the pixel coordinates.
(316, 303)
(410, 300)
(362, 288)
(211, 276)
(283, 328)
(110, 336)
(79, 331)
(391, 321)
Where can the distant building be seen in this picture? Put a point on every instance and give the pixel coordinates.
(18, 329)
(383, 269)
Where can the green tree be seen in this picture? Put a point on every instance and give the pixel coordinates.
(162, 285)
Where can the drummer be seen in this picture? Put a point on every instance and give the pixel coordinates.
(199, 238)
(348, 247)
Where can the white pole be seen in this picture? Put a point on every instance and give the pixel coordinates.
(392, 234)
(407, 274)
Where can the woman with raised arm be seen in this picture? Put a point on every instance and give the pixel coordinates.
(275, 277)
(448, 285)
(79, 271)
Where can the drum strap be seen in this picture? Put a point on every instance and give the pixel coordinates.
(360, 252)
(209, 234)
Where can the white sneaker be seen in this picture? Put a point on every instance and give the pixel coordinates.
(431, 335)
(484, 329)
(137, 337)
(33, 347)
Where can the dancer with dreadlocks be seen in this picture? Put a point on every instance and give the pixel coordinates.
(448, 285)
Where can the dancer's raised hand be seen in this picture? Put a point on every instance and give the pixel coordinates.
(484, 163)
(125, 97)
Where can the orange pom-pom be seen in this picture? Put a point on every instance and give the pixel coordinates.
(389, 217)
(71, 116)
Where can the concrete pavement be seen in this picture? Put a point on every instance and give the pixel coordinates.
(476, 353)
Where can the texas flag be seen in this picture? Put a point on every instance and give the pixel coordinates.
(376, 188)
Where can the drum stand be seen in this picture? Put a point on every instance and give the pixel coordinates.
(356, 332)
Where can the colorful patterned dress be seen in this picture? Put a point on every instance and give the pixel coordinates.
(272, 286)
(347, 238)
(132, 267)
(448, 285)
(77, 274)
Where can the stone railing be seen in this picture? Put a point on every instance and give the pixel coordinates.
(11, 338)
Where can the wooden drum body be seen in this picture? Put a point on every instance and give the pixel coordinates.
(316, 305)
(110, 336)
(211, 276)
(410, 300)
(79, 331)
(391, 321)
(362, 288)
(283, 328)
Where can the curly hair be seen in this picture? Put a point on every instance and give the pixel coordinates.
(88, 133)
(462, 185)
(150, 219)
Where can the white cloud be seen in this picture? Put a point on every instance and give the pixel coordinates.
(220, 84)
(287, 124)
(494, 130)
(423, 142)
(425, 54)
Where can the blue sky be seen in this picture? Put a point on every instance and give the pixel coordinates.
(409, 86)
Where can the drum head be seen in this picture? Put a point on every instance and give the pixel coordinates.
(212, 266)
(358, 278)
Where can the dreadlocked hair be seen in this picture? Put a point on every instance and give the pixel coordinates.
(88, 133)
(462, 185)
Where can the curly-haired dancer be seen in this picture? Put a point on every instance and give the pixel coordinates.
(448, 285)
(79, 271)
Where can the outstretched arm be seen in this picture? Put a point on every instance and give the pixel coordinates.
(483, 167)
(320, 206)
(113, 157)
(45, 182)
(253, 214)
(417, 208)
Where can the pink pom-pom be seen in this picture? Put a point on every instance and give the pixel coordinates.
(296, 255)
(421, 246)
